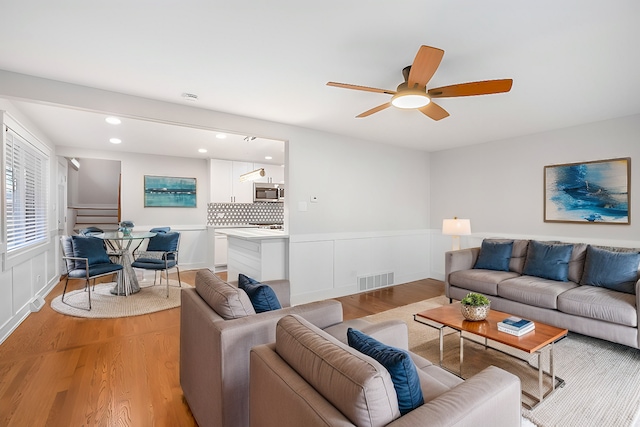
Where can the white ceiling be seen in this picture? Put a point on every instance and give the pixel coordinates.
(572, 61)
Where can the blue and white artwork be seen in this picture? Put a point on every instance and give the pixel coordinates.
(165, 191)
(590, 192)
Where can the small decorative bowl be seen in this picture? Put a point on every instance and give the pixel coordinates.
(475, 312)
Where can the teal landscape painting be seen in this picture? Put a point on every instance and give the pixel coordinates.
(164, 191)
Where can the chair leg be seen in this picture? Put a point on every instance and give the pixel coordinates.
(179, 281)
(89, 289)
(64, 291)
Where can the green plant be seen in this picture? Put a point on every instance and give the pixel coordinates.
(475, 299)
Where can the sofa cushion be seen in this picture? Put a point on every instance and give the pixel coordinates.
(576, 262)
(601, 304)
(226, 300)
(91, 248)
(494, 255)
(262, 297)
(482, 281)
(611, 269)
(549, 261)
(356, 384)
(534, 291)
(399, 364)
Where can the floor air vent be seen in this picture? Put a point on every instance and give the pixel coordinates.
(366, 283)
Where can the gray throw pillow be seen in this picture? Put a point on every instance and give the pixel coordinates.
(548, 261)
(611, 269)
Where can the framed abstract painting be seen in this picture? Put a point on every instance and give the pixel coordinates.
(588, 192)
(166, 191)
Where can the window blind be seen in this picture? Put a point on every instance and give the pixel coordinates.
(25, 192)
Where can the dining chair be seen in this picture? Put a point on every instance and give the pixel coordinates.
(85, 257)
(161, 255)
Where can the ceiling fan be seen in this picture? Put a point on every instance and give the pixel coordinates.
(413, 93)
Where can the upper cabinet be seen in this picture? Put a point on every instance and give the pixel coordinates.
(225, 182)
(273, 173)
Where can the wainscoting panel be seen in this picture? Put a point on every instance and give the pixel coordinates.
(351, 256)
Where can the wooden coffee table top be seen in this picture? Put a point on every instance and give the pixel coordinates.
(450, 315)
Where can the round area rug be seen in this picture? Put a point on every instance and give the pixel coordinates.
(106, 305)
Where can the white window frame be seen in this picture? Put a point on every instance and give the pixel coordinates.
(33, 166)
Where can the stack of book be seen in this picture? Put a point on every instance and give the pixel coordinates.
(516, 326)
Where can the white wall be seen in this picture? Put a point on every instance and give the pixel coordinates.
(100, 179)
(34, 274)
(371, 216)
(499, 185)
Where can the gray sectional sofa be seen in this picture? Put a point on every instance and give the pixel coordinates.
(218, 328)
(591, 290)
(308, 378)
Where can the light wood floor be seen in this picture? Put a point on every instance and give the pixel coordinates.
(58, 370)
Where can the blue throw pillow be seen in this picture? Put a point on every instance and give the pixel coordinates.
(610, 269)
(164, 242)
(91, 248)
(494, 255)
(399, 364)
(549, 261)
(262, 297)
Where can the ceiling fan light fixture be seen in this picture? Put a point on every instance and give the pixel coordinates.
(410, 99)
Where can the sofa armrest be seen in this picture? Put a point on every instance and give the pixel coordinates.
(491, 397)
(390, 332)
(463, 259)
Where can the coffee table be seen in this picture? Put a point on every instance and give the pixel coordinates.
(537, 341)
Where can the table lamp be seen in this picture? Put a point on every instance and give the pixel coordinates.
(456, 227)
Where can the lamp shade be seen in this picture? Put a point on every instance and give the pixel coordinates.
(456, 227)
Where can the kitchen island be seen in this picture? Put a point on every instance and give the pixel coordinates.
(259, 253)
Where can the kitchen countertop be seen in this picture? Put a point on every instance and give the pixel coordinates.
(253, 233)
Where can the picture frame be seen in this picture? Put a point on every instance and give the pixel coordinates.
(169, 192)
(594, 192)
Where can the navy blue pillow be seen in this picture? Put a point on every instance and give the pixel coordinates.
(91, 248)
(399, 364)
(494, 255)
(165, 242)
(549, 261)
(262, 297)
(609, 269)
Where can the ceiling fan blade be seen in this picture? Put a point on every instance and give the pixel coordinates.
(424, 66)
(374, 110)
(434, 111)
(485, 87)
(364, 88)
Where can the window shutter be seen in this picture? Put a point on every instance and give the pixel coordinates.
(26, 193)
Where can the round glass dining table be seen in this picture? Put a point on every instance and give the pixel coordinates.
(121, 243)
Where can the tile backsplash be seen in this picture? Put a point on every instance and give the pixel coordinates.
(244, 213)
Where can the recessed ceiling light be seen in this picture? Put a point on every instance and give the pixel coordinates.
(113, 120)
(221, 136)
(115, 140)
(268, 157)
(202, 150)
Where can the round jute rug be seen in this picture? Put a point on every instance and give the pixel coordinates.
(106, 305)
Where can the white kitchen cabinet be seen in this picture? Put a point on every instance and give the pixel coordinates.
(220, 250)
(225, 182)
(273, 172)
(242, 191)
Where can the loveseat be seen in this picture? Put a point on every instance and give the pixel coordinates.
(591, 290)
(218, 328)
(309, 378)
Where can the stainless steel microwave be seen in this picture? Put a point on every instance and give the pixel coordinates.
(268, 192)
